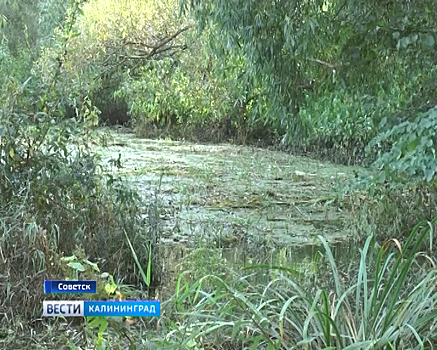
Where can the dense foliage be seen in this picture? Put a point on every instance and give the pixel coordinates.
(376, 58)
(326, 78)
(119, 38)
(54, 198)
(349, 81)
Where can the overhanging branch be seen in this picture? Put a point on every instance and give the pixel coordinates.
(151, 54)
(157, 48)
(327, 64)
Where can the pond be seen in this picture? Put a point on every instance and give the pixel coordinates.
(255, 205)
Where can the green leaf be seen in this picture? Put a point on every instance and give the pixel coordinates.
(256, 341)
(403, 43)
(146, 278)
(110, 288)
(100, 322)
(68, 258)
(190, 344)
(429, 174)
(76, 266)
(429, 40)
(93, 265)
(382, 176)
(412, 145)
(72, 346)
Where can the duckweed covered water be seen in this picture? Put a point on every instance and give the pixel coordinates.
(233, 196)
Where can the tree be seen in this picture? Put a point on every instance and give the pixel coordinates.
(119, 37)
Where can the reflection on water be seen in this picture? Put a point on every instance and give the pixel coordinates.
(176, 259)
(172, 255)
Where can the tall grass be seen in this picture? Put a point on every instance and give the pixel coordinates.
(387, 301)
(57, 209)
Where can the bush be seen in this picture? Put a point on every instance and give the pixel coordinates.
(56, 201)
(116, 38)
(167, 94)
(337, 125)
(194, 95)
(413, 152)
(54, 196)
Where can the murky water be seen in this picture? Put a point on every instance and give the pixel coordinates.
(252, 205)
(301, 261)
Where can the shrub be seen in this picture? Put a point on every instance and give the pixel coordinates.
(54, 196)
(413, 152)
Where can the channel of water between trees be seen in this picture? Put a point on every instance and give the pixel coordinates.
(255, 205)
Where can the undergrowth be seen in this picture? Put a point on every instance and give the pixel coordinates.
(55, 197)
(385, 301)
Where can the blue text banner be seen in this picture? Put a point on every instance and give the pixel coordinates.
(106, 308)
(70, 287)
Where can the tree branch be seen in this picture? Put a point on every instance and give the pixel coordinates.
(332, 66)
(153, 53)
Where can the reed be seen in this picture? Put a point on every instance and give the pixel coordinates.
(387, 301)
